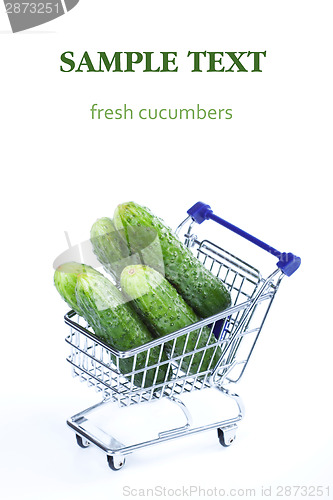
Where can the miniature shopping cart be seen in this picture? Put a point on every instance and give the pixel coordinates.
(233, 335)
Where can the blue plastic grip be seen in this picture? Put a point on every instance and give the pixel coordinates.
(288, 262)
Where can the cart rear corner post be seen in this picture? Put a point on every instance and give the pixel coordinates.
(121, 377)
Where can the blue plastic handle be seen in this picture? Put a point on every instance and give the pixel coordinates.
(288, 262)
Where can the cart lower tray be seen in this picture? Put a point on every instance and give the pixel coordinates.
(88, 431)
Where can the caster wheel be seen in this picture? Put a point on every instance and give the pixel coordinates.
(226, 439)
(115, 463)
(82, 442)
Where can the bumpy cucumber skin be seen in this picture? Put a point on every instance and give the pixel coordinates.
(117, 324)
(65, 278)
(203, 291)
(164, 309)
(109, 246)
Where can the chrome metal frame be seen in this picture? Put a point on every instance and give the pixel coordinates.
(240, 325)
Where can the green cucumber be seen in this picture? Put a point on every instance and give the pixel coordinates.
(164, 309)
(116, 323)
(109, 247)
(65, 278)
(203, 291)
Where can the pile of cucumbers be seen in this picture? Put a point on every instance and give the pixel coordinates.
(161, 288)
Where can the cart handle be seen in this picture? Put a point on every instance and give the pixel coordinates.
(288, 262)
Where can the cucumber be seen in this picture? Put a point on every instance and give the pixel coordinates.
(65, 278)
(116, 323)
(110, 247)
(203, 291)
(161, 307)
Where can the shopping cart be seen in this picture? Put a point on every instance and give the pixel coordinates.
(233, 334)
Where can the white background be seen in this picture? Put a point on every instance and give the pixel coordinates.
(266, 170)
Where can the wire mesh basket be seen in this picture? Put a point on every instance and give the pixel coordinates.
(213, 352)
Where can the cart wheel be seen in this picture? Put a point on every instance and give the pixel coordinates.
(225, 440)
(82, 442)
(115, 463)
